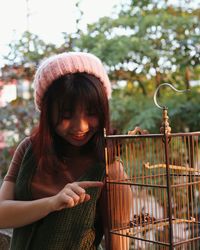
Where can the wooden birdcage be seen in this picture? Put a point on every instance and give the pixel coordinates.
(162, 172)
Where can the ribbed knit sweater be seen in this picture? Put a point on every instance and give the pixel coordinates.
(76, 228)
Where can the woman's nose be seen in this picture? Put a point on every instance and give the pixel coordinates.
(80, 125)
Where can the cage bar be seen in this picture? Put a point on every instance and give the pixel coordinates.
(163, 174)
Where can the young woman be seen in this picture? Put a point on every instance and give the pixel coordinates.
(53, 193)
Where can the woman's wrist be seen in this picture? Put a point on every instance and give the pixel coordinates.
(50, 202)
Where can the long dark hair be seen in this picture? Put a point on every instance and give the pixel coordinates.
(68, 91)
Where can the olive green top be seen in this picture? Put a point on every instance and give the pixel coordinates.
(69, 229)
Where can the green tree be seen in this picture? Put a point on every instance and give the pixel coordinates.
(19, 116)
(147, 42)
(144, 44)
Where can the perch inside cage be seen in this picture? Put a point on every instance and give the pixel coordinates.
(162, 172)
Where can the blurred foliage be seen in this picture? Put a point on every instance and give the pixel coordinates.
(148, 42)
(19, 116)
(30, 49)
(129, 111)
(143, 44)
(17, 120)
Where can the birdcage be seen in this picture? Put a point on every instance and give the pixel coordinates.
(153, 189)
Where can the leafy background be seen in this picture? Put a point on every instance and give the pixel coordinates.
(143, 44)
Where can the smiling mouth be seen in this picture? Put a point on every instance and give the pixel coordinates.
(79, 137)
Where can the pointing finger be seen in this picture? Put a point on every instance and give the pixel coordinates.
(87, 184)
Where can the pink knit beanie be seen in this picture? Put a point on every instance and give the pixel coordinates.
(66, 63)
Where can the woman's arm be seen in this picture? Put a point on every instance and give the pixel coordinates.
(19, 213)
(120, 197)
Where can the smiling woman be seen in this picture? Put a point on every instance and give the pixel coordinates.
(55, 182)
(81, 112)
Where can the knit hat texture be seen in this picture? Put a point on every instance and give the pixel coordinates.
(67, 63)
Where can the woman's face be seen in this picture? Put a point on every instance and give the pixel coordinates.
(77, 128)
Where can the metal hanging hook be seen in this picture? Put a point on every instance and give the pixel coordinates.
(171, 86)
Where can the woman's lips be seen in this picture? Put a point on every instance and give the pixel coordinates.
(79, 137)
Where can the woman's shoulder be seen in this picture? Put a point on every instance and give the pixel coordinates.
(22, 146)
(26, 141)
(17, 159)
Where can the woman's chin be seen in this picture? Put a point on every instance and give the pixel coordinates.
(78, 141)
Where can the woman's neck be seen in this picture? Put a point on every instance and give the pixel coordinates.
(65, 149)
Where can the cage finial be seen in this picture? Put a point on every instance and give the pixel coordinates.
(165, 119)
(165, 128)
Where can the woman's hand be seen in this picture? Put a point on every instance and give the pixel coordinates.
(73, 194)
(19, 213)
